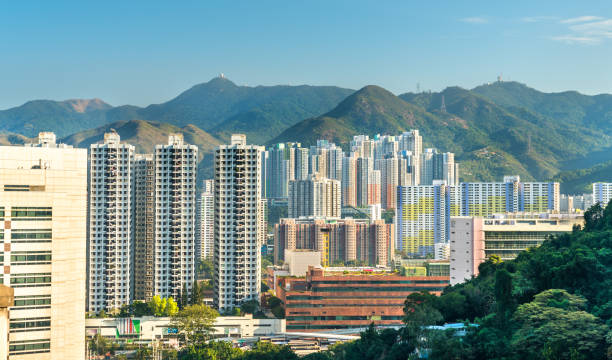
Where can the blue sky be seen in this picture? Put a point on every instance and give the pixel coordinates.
(148, 52)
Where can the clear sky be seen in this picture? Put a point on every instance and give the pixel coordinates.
(130, 52)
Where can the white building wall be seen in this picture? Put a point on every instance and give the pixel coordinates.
(237, 234)
(111, 224)
(43, 222)
(175, 176)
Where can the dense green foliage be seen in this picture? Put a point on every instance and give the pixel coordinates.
(194, 323)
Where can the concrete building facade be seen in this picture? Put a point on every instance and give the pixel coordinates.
(342, 298)
(111, 224)
(343, 240)
(475, 239)
(205, 221)
(144, 225)
(175, 209)
(314, 196)
(43, 222)
(238, 229)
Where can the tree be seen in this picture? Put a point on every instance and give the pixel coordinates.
(268, 351)
(249, 307)
(204, 269)
(195, 322)
(184, 298)
(196, 294)
(156, 306)
(101, 346)
(215, 350)
(143, 353)
(162, 306)
(419, 312)
(276, 307)
(171, 308)
(503, 296)
(555, 325)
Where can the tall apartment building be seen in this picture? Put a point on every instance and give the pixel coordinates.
(423, 212)
(205, 221)
(349, 181)
(346, 240)
(411, 145)
(238, 227)
(365, 167)
(301, 163)
(511, 195)
(421, 217)
(280, 168)
(43, 222)
(144, 225)
(175, 209)
(438, 166)
(394, 172)
(314, 196)
(602, 193)
(111, 224)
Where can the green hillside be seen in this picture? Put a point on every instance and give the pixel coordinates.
(488, 140)
(571, 107)
(144, 135)
(61, 117)
(581, 181)
(218, 106)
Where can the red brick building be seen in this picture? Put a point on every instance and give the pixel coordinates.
(331, 299)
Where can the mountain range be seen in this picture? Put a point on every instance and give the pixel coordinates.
(494, 129)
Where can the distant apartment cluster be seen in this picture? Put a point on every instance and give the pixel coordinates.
(368, 173)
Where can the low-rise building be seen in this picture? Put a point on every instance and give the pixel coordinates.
(338, 240)
(475, 239)
(345, 298)
(148, 329)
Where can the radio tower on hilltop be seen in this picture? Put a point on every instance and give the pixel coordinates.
(443, 106)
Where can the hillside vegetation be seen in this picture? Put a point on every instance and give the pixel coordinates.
(489, 140)
(218, 106)
(495, 129)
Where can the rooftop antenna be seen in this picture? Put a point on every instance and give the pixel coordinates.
(443, 105)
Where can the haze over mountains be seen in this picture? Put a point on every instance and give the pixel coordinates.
(495, 129)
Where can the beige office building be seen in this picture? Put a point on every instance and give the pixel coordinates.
(43, 198)
(475, 239)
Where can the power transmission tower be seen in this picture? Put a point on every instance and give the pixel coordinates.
(443, 106)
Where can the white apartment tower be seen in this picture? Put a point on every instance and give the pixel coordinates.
(43, 222)
(238, 224)
(175, 209)
(111, 224)
(205, 221)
